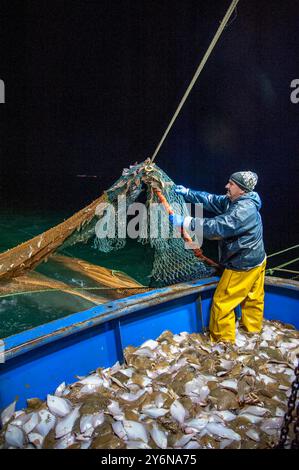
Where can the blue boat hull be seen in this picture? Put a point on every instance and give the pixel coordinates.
(38, 360)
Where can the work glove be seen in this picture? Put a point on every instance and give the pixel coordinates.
(176, 219)
(179, 189)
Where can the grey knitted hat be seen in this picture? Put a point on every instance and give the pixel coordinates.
(246, 180)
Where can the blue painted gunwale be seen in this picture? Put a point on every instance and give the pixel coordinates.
(76, 322)
(38, 360)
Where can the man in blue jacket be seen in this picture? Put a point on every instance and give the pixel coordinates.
(238, 227)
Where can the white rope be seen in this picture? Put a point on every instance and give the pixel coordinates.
(197, 73)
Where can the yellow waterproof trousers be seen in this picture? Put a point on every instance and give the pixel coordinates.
(235, 288)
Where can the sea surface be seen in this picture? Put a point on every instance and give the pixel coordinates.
(22, 311)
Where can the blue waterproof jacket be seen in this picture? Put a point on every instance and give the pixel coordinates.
(237, 226)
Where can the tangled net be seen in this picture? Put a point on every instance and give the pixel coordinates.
(172, 262)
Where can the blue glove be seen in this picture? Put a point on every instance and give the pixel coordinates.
(181, 190)
(176, 219)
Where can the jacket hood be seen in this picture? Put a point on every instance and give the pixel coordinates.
(252, 196)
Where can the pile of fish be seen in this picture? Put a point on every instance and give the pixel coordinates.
(179, 391)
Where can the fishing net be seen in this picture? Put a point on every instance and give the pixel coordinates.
(95, 225)
(173, 262)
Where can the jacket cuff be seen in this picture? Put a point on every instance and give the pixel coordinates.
(188, 223)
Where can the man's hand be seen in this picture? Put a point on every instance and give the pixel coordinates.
(176, 219)
(181, 190)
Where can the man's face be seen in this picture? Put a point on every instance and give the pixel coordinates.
(233, 191)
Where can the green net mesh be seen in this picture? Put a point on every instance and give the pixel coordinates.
(144, 184)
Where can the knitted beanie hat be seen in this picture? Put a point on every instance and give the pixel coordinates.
(246, 180)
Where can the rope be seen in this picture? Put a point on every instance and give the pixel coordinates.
(197, 73)
(283, 251)
(12, 294)
(287, 270)
(281, 266)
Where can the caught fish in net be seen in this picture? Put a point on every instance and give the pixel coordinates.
(145, 184)
(172, 261)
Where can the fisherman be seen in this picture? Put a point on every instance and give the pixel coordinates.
(238, 227)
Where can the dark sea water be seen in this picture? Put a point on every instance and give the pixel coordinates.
(22, 311)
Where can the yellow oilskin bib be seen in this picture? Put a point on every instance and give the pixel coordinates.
(245, 288)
